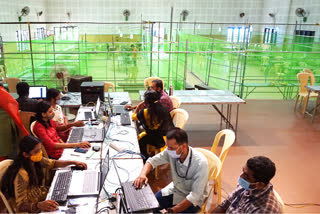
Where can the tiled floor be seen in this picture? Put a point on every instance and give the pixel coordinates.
(270, 128)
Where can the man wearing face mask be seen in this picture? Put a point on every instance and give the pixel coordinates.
(254, 194)
(189, 170)
(61, 121)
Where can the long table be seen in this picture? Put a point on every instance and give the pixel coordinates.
(214, 98)
(130, 165)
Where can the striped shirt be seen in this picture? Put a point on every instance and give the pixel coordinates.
(256, 201)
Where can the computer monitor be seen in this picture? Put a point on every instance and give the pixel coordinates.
(38, 92)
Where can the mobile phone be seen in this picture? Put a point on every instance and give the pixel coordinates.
(81, 150)
(124, 102)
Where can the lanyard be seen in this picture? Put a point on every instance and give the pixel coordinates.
(189, 164)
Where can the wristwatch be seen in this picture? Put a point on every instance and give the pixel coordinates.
(170, 210)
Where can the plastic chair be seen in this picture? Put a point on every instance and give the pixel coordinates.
(25, 118)
(312, 78)
(107, 85)
(214, 166)
(229, 138)
(303, 92)
(44, 152)
(3, 168)
(148, 81)
(12, 82)
(179, 117)
(176, 102)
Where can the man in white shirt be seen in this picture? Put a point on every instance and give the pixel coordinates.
(189, 170)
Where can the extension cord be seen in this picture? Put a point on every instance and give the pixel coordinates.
(115, 147)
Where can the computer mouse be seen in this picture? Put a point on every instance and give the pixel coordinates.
(65, 98)
(77, 168)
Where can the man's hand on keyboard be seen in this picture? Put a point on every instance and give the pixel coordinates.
(81, 165)
(140, 181)
(85, 144)
(48, 205)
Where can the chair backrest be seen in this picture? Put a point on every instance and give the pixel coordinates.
(229, 138)
(303, 79)
(107, 85)
(214, 168)
(280, 200)
(12, 82)
(176, 102)
(3, 168)
(44, 152)
(312, 78)
(148, 81)
(25, 118)
(179, 117)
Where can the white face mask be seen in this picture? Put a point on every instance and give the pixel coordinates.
(58, 102)
(173, 154)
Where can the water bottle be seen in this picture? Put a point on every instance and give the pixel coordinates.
(89, 123)
(170, 90)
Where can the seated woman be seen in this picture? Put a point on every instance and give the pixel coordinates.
(45, 129)
(23, 181)
(61, 122)
(156, 121)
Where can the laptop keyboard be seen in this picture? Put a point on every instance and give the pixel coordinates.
(89, 183)
(125, 119)
(87, 115)
(137, 197)
(61, 187)
(76, 135)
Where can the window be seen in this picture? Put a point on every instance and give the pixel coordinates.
(238, 34)
(41, 33)
(270, 35)
(22, 37)
(66, 33)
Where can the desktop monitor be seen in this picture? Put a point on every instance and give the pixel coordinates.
(38, 92)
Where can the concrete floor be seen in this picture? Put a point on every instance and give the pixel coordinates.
(270, 128)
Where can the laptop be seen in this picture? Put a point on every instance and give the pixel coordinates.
(116, 109)
(38, 92)
(86, 113)
(137, 200)
(89, 182)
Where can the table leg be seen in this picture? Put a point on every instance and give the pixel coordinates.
(237, 120)
(315, 109)
(225, 119)
(221, 117)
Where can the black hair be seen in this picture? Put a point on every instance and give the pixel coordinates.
(159, 83)
(178, 134)
(22, 89)
(52, 93)
(157, 112)
(42, 107)
(35, 171)
(262, 167)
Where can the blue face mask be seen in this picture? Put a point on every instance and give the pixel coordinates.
(244, 184)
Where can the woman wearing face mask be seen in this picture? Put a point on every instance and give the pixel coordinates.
(45, 129)
(23, 181)
(62, 126)
(156, 121)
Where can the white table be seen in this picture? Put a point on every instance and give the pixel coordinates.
(316, 89)
(211, 97)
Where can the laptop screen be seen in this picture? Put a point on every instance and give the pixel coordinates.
(98, 106)
(104, 170)
(38, 92)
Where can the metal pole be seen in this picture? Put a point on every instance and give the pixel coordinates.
(186, 65)
(210, 30)
(210, 62)
(170, 48)
(151, 49)
(245, 58)
(178, 41)
(31, 55)
(159, 51)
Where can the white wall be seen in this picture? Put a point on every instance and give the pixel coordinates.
(10, 10)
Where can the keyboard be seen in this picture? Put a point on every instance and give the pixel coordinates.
(61, 187)
(87, 115)
(139, 199)
(76, 135)
(125, 119)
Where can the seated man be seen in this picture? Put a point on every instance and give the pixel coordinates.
(165, 100)
(254, 194)
(189, 170)
(25, 103)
